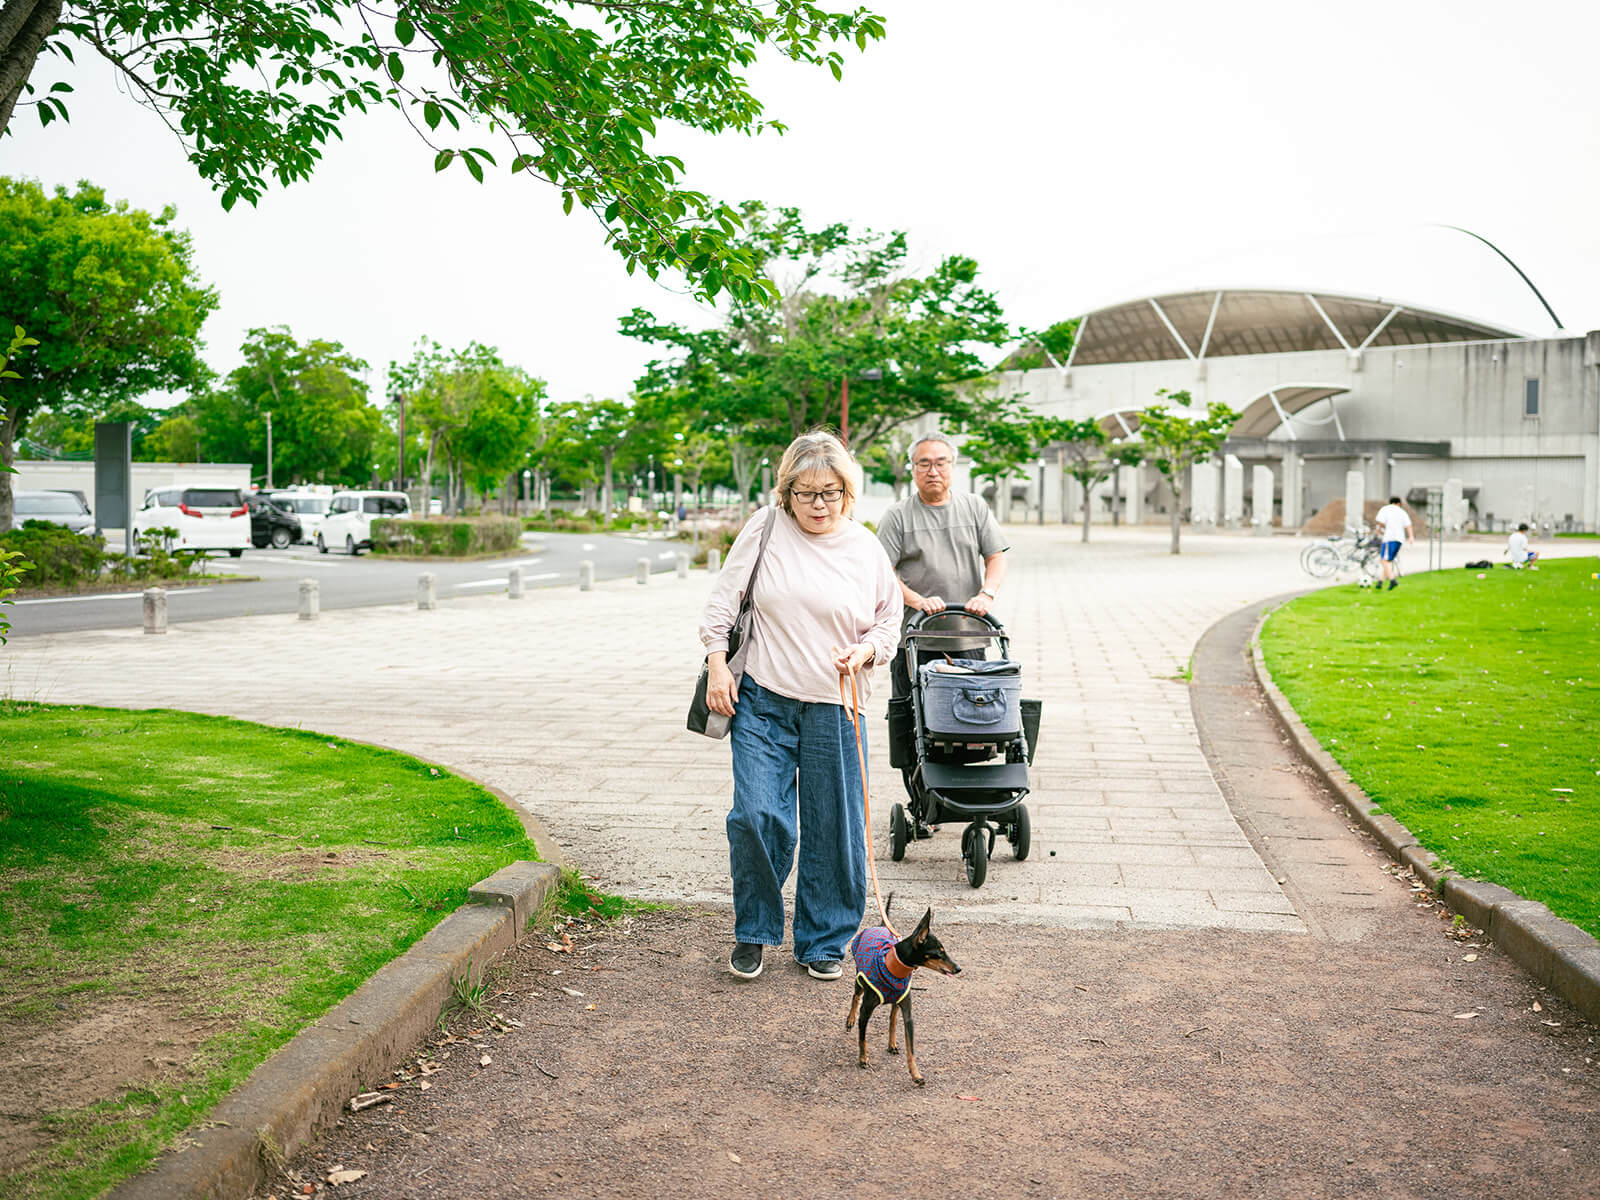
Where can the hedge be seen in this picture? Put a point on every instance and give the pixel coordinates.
(61, 558)
(445, 537)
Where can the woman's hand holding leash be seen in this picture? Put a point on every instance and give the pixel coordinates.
(852, 658)
(722, 689)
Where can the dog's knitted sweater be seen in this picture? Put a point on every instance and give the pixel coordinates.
(870, 949)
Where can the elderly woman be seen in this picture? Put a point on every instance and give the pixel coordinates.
(825, 602)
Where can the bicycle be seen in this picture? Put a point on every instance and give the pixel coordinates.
(1340, 553)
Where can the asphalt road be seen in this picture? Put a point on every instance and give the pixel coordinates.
(547, 560)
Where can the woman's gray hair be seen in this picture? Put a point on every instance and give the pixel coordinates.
(911, 454)
(817, 451)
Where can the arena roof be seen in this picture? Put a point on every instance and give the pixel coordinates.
(1212, 323)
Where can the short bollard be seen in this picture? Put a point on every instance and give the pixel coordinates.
(683, 565)
(585, 576)
(310, 599)
(713, 561)
(514, 585)
(155, 610)
(427, 596)
(641, 572)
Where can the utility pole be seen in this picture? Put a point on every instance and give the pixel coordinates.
(400, 459)
(269, 452)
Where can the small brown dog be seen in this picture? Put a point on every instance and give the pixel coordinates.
(884, 967)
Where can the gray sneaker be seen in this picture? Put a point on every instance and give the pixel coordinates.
(825, 968)
(745, 961)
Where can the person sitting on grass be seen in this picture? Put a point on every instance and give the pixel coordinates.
(1522, 555)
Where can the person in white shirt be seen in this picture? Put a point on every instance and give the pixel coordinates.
(825, 603)
(1517, 548)
(1395, 522)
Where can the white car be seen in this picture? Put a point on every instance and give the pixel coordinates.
(205, 518)
(310, 507)
(349, 519)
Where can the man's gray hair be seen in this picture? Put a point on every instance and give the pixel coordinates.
(911, 454)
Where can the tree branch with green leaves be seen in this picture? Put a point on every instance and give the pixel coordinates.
(582, 95)
(1174, 441)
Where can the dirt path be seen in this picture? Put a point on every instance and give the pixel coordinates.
(1061, 1063)
(1384, 1053)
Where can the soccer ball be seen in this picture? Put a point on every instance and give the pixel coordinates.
(1365, 581)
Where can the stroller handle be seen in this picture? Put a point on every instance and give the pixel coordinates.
(914, 627)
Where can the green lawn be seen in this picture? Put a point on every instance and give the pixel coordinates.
(229, 882)
(1469, 709)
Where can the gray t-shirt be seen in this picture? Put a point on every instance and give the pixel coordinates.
(938, 550)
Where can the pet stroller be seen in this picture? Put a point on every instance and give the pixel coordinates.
(963, 740)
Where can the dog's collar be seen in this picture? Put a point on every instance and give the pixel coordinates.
(895, 967)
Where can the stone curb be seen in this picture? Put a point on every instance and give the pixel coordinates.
(1555, 952)
(305, 1085)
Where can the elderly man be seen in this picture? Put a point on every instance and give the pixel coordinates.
(946, 547)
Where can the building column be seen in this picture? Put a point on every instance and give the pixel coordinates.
(1133, 494)
(1203, 495)
(1232, 491)
(1355, 500)
(1261, 488)
(1293, 485)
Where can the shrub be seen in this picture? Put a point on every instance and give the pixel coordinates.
(445, 537)
(58, 557)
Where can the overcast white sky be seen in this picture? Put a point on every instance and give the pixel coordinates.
(1083, 154)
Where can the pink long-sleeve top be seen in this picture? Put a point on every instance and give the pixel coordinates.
(814, 592)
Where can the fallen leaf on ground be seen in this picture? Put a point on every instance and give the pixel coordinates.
(1466, 1016)
(339, 1175)
(572, 991)
(1537, 1007)
(966, 1097)
(423, 1085)
(1470, 958)
(486, 1060)
(368, 1099)
(734, 1158)
(1553, 1024)
(588, 1008)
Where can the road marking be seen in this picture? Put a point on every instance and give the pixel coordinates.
(102, 596)
(588, 545)
(478, 583)
(666, 554)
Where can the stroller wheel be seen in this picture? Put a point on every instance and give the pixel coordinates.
(975, 853)
(897, 832)
(1021, 834)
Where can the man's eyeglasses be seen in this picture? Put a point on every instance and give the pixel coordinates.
(928, 464)
(830, 496)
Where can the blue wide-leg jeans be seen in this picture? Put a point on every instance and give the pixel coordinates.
(796, 759)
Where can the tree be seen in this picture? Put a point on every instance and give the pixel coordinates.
(481, 413)
(1043, 347)
(110, 293)
(12, 564)
(1002, 444)
(851, 316)
(571, 91)
(323, 427)
(1082, 445)
(1174, 441)
(71, 434)
(177, 439)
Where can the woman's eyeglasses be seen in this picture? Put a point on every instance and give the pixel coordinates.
(830, 496)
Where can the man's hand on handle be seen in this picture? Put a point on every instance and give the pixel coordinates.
(929, 604)
(979, 604)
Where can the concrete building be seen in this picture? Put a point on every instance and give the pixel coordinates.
(1328, 384)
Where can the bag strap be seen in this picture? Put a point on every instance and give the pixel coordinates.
(761, 551)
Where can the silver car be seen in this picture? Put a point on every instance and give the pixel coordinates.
(58, 508)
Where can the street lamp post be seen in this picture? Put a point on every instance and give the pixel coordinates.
(869, 374)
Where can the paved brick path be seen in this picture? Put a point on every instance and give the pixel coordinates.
(572, 703)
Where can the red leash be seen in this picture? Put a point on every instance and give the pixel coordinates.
(866, 803)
